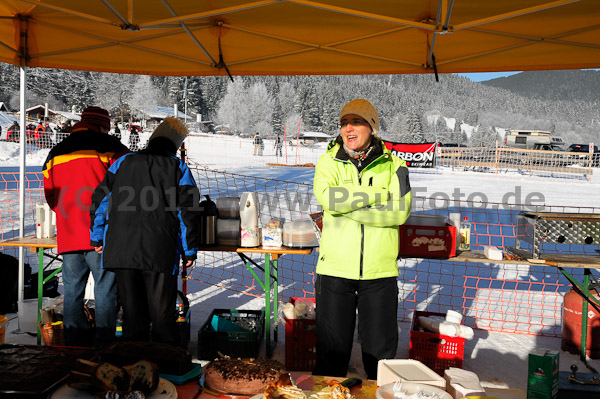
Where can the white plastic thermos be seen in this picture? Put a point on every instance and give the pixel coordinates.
(250, 234)
(45, 221)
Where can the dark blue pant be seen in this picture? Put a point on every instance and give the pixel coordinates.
(77, 266)
(148, 300)
(337, 300)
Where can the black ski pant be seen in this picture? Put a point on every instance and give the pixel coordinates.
(337, 300)
(149, 301)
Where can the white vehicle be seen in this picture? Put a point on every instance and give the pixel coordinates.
(529, 139)
(309, 139)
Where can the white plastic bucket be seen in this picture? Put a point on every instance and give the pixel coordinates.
(28, 313)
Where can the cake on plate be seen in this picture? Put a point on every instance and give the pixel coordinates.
(238, 377)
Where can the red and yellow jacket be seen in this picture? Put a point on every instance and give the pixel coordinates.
(72, 171)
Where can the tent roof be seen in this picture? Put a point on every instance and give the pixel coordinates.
(283, 37)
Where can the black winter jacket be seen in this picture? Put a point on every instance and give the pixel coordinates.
(145, 212)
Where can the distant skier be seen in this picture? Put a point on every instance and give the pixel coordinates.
(278, 146)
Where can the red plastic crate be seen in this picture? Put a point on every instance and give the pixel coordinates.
(300, 342)
(427, 241)
(436, 351)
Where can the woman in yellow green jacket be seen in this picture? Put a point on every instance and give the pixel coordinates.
(365, 194)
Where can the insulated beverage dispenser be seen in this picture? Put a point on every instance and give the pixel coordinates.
(208, 222)
(250, 234)
(45, 221)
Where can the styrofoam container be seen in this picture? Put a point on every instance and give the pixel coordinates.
(407, 370)
(422, 219)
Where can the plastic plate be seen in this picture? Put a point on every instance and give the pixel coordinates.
(387, 391)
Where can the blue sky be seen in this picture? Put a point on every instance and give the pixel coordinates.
(481, 76)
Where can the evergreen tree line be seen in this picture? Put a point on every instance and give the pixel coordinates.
(412, 108)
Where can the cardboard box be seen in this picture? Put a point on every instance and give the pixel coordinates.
(542, 374)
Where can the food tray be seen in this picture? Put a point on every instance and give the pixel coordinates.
(31, 371)
(232, 343)
(182, 379)
(407, 370)
(409, 388)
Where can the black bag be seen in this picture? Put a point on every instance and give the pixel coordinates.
(31, 285)
(9, 282)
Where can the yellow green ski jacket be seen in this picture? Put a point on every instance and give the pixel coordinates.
(361, 214)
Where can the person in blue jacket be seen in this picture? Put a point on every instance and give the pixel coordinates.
(144, 220)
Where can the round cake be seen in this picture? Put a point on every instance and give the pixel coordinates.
(238, 377)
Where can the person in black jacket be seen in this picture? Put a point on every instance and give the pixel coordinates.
(134, 138)
(144, 219)
(117, 131)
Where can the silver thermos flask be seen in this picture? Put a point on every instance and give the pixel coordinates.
(208, 222)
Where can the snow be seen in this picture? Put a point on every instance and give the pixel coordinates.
(500, 359)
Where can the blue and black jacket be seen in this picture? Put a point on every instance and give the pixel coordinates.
(145, 212)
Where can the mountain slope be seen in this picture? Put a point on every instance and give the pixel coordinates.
(567, 85)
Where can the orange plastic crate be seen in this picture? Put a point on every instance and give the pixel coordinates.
(300, 343)
(436, 351)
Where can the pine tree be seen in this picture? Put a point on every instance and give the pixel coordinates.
(414, 126)
(276, 120)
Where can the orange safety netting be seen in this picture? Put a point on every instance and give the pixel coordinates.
(513, 298)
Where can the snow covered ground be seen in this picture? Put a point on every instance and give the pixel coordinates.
(500, 359)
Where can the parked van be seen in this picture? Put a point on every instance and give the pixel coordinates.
(529, 139)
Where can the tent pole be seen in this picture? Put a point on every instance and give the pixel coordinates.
(22, 141)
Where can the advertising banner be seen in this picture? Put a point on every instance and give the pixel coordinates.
(415, 155)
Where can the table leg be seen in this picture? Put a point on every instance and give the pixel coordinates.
(275, 294)
(266, 286)
(40, 292)
(584, 313)
(268, 305)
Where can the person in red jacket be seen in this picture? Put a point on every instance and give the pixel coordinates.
(72, 171)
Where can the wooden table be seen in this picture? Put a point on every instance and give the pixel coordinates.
(305, 381)
(272, 255)
(270, 270)
(36, 245)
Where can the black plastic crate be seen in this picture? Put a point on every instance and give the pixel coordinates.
(244, 342)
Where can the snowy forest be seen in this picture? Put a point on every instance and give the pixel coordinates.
(412, 108)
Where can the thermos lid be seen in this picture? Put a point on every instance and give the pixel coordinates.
(208, 207)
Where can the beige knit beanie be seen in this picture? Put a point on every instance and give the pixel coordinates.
(365, 110)
(173, 129)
